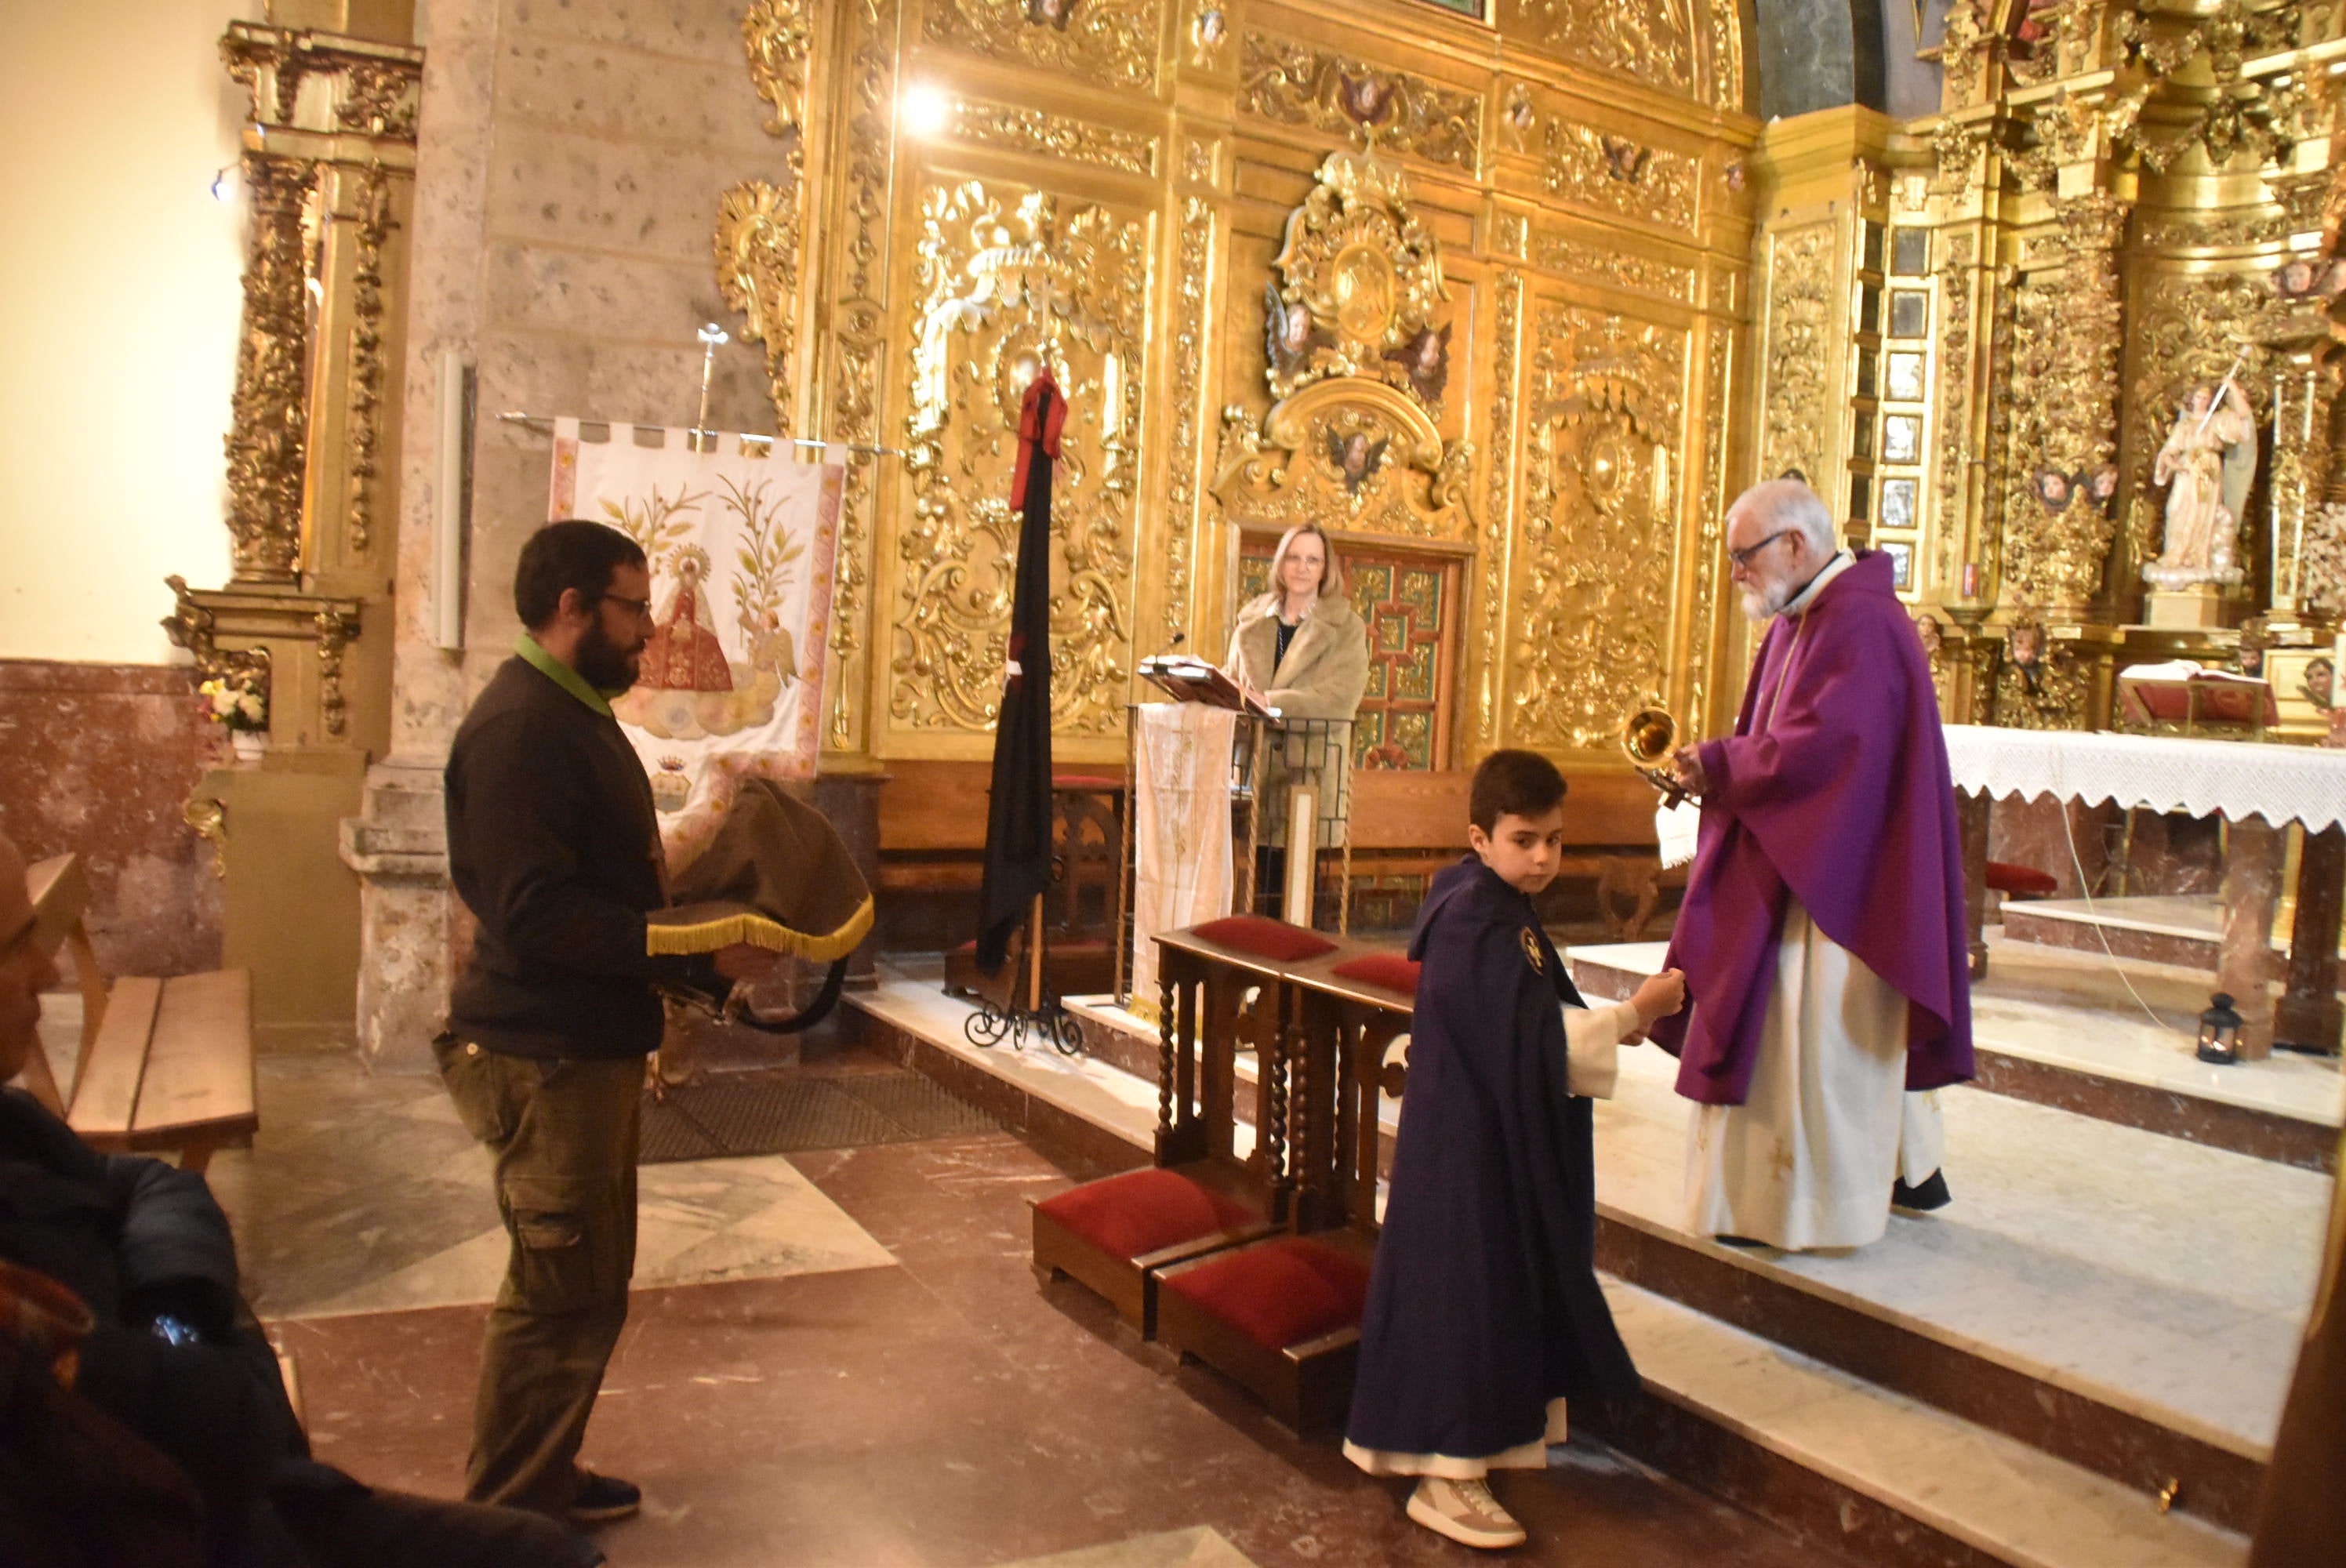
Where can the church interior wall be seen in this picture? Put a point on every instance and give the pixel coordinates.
(118, 299)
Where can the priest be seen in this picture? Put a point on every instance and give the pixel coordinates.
(1822, 936)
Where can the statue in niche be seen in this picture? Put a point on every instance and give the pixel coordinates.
(1425, 361)
(2208, 464)
(1289, 338)
(1054, 13)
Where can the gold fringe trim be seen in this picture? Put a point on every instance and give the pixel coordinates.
(759, 932)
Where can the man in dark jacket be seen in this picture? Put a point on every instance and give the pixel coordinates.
(554, 845)
(175, 1442)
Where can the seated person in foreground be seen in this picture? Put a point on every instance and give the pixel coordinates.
(174, 1389)
(1483, 1314)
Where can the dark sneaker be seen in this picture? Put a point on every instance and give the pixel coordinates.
(1931, 1193)
(605, 1498)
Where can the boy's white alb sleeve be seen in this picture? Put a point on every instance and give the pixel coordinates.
(1592, 1040)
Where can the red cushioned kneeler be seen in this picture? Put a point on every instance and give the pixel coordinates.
(1110, 1235)
(2020, 882)
(1280, 1316)
(1262, 937)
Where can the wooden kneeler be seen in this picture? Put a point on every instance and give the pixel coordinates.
(1282, 1316)
(1114, 1236)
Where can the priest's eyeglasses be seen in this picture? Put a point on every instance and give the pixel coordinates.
(1743, 557)
(641, 609)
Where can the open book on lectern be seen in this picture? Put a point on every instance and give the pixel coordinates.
(1187, 678)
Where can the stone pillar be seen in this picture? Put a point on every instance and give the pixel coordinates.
(2309, 1017)
(2253, 872)
(399, 848)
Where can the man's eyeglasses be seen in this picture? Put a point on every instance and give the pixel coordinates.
(1743, 557)
(639, 608)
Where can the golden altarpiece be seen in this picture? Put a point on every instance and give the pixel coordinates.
(1466, 292)
(1983, 333)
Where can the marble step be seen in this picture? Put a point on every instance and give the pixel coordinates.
(2062, 1028)
(2181, 930)
(1088, 1098)
(1967, 1308)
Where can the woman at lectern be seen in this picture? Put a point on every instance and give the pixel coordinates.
(1300, 649)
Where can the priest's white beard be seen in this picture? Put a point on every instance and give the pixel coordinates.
(1759, 604)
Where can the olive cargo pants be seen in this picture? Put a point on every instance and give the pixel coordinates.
(563, 1132)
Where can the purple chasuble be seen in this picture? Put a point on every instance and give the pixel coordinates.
(1834, 790)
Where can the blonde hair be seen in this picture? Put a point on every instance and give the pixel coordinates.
(1332, 577)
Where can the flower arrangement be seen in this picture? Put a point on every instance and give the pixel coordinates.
(237, 703)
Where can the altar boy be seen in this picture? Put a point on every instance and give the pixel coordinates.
(1483, 1312)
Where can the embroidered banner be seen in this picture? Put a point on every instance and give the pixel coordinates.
(1181, 829)
(741, 549)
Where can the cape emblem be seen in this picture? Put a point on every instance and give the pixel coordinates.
(1532, 950)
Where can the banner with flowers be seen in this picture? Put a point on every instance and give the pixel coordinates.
(741, 547)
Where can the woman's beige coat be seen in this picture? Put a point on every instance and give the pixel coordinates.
(1323, 677)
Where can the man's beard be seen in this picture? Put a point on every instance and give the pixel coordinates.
(1759, 604)
(603, 663)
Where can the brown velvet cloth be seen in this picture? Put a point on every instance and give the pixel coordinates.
(776, 875)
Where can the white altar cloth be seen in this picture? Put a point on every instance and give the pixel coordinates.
(2232, 778)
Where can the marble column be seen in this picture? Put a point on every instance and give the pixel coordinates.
(2310, 1017)
(2252, 875)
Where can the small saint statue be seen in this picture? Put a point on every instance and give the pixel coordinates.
(2208, 463)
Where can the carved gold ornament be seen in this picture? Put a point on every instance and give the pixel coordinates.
(1796, 405)
(758, 251)
(1022, 130)
(268, 439)
(1112, 43)
(1591, 610)
(1624, 269)
(778, 36)
(1351, 453)
(368, 369)
(1190, 280)
(1001, 292)
(1343, 97)
(1650, 40)
(1616, 175)
(1359, 280)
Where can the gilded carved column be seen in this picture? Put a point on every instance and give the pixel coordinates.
(267, 444)
(2081, 424)
(2305, 394)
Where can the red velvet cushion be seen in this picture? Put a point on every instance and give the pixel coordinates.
(1278, 1293)
(1264, 937)
(1390, 970)
(2007, 878)
(1141, 1211)
(1086, 781)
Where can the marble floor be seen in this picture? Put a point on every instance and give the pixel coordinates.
(843, 1359)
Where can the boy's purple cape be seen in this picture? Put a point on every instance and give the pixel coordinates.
(1482, 1301)
(1841, 799)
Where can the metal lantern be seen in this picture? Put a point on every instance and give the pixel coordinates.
(2219, 1031)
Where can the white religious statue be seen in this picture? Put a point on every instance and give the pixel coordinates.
(2208, 463)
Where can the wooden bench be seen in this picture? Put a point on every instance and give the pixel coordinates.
(1414, 824)
(164, 1063)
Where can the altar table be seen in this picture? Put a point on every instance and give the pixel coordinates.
(2259, 789)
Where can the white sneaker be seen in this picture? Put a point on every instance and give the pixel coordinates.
(1466, 1512)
